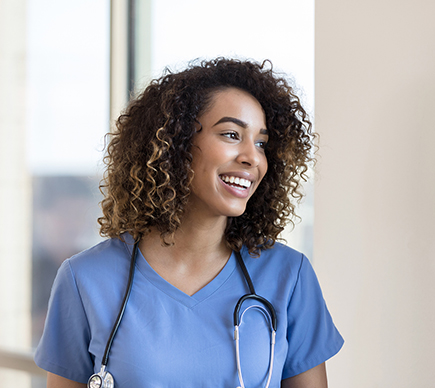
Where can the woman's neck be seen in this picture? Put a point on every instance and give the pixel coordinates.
(198, 253)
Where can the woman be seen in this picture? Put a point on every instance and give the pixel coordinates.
(201, 169)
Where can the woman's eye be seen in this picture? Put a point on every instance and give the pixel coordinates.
(262, 144)
(231, 135)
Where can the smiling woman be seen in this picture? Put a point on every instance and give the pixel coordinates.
(158, 159)
(228, 155)
(198, 185)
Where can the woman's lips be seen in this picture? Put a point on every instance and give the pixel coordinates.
(235, 181)
(239, 187)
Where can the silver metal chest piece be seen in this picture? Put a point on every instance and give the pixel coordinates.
(102, 379)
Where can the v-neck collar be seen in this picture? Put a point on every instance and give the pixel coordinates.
(164, 286)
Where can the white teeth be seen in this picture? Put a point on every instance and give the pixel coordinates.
(245, 182)
(237, 181)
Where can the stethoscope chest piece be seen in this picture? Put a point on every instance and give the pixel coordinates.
(102, 379)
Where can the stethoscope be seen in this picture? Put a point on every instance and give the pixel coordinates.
(104, 379)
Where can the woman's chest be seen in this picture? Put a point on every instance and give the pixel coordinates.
(162, 342)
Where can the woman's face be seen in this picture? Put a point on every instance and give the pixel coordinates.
(229, 158)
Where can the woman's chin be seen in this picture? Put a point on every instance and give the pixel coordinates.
(236, 212)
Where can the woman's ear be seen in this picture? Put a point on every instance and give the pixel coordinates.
(198, 126)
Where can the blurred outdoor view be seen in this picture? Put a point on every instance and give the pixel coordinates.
(55, 63)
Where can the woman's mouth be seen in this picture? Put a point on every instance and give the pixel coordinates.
(237, 182)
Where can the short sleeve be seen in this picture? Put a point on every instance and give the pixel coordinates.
(63, 349)
(311, 333)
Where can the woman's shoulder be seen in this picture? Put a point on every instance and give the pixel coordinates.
(97, 273)
(278, 261)
(283, 254)
(111, 255)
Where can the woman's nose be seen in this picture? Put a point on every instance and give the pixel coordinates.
(249, 154)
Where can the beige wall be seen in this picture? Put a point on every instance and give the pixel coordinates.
(374, 247)
(15, 190)
(118, 57)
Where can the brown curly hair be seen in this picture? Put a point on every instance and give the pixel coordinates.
(148, 175)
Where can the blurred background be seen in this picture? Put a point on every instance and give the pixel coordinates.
(67, 70)
(364, 70)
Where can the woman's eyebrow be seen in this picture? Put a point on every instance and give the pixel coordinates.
(227, 119)
(238, 122)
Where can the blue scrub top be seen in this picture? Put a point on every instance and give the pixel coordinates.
(170, 339)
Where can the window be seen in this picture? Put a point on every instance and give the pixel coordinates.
(54, 112)
(171, 33)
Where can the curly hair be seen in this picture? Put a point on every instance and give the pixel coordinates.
(148, 176)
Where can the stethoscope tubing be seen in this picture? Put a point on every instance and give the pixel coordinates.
(105, 358)
(271, 360)
(252, 295)
(237, 321)
(103, 379)
(104, 376)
